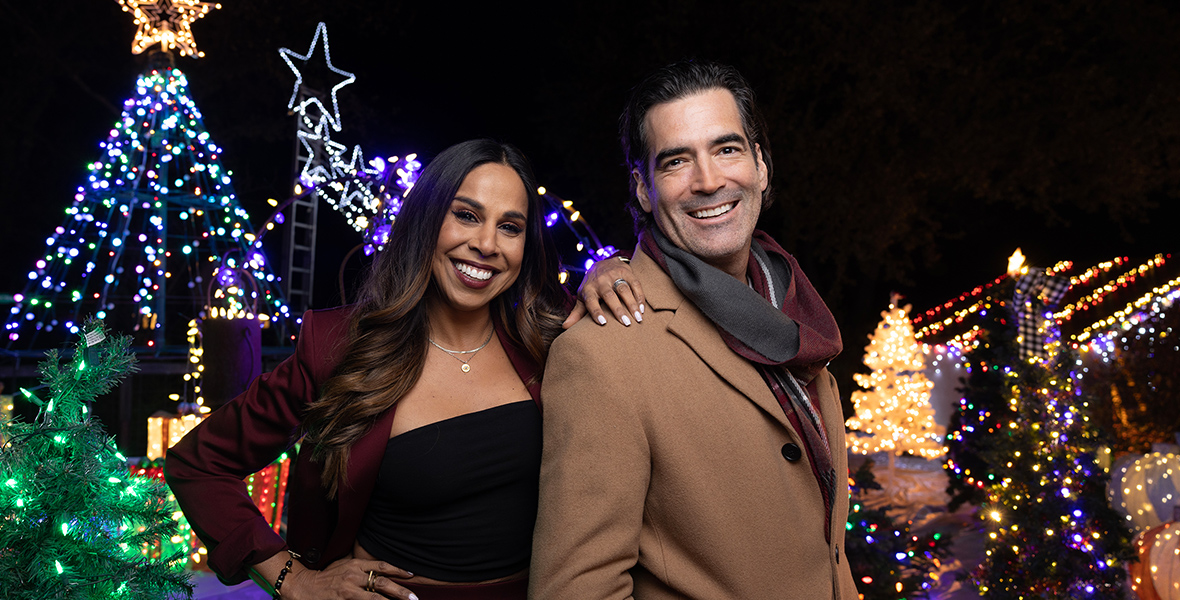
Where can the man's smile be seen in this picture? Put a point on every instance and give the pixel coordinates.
(713, 212)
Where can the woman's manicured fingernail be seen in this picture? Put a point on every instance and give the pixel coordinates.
(413, 596)
(641, 308)
(638, 319)
(626, 321)
(601, 320)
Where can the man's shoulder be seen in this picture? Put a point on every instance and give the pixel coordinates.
(588, 334)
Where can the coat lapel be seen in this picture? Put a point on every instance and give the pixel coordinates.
(363, 465)
(701, 335)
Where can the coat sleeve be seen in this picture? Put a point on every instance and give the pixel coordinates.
(206, 469)
(595, 470)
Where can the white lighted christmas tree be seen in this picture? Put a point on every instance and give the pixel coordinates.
(892, 413)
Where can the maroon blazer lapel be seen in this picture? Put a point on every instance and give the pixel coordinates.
(364, 464)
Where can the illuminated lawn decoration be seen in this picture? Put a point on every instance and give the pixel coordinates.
(155, 232)
(75, 523)
(1157, 574)
(893, 413)
(1145, 488)
(333, 117)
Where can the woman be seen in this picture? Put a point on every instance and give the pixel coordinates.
(419, 407)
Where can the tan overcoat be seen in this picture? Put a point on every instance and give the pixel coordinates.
(670, 470)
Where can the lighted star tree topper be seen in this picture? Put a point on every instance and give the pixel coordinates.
(893, 413)
(166, 22)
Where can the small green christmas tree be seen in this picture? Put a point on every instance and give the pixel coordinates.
(893, 413)
(74, 524)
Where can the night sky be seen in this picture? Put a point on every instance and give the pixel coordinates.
(916, 144)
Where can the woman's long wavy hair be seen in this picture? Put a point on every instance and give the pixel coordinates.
(389, 327)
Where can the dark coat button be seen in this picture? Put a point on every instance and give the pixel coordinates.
(792, 452)
(312, 555)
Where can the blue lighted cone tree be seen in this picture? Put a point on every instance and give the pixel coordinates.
(156, 234)
(1051, 532)
(73, 523)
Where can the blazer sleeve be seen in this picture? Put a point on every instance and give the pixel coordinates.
(206, 469)
(595, 470)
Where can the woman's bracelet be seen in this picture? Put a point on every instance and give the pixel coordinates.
(283, 575)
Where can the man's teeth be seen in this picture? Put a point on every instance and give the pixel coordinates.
(472, 272)
(713, 212)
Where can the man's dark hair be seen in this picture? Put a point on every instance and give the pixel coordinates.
(673, 82)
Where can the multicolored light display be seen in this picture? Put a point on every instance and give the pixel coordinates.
(1024, 446)
(1050, 532)
(157, 230)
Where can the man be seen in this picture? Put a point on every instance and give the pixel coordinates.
(699, 454)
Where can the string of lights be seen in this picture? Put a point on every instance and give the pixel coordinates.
(1132, 313)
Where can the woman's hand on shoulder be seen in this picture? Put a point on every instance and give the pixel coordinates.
(348, 579)
(612, 283)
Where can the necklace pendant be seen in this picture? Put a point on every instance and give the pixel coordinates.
(466, 368)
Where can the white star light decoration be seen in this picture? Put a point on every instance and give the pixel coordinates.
(368, 194)
(166, 22)
(334, 116)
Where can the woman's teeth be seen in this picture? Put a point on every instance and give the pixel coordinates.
(472, 272)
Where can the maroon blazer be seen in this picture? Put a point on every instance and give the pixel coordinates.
(206, 469)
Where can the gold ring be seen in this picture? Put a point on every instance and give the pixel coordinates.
(618, 282)
(372, 580)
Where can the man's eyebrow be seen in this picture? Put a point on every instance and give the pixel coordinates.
(729, 138)
(663, 154)
(473, 203)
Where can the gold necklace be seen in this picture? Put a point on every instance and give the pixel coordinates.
(454, 353)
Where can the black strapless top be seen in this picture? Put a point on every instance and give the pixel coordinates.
(456, 500)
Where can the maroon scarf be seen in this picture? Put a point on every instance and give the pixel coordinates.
(789, 345)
